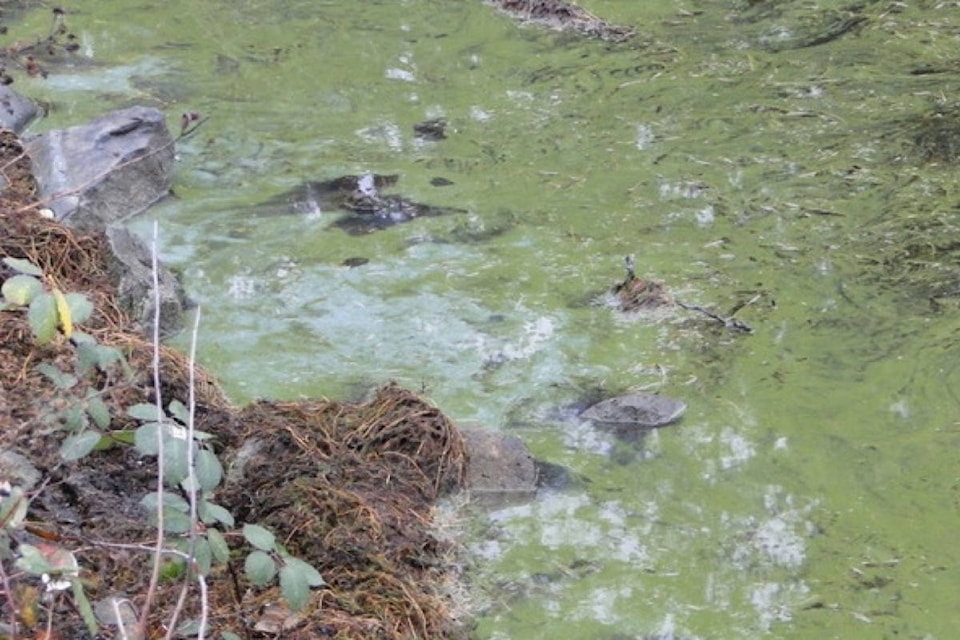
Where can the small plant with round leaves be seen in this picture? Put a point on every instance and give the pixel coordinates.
(51, 313)
(269, 558)
(190, 465)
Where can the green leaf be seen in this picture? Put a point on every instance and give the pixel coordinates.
(98, 411)
(86, 355)
(83, 604)
(178, 411)
(218, 546)
(20, 289)
(172, 569)
(78, 445)
(259, 537)
(189, 485)
(43, 318)
(145, 439)
(294, 587)
(106, 356)
(260, 568)
(208, 469)
(311, 575)
(175, 468)
(91, 354)
(188, 628)
(203, 556)
(13, 508)
(32, 560)
(143, 411)
(80, 307)
(172, 500)
(23, 266)
(60, 379)
(229, 635)
(75, 418)
(80, 338)
(112, 439)
(174, 521)
(120, 436)
(210, 513)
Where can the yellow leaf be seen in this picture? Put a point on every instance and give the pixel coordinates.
(63, 310)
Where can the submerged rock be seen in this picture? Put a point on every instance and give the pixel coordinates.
(431, 130)
(501, 468)
(361, 195)
(630, 415)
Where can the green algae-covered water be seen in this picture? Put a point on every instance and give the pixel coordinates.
(795, 160)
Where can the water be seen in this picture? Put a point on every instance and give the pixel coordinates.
(810, 491)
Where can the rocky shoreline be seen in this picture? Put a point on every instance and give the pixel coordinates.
(396, 453)
(351, 488)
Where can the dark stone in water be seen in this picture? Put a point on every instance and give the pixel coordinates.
(501, 469)
(630, 415)
(361, 195)
(355, 262)
(433, 130)
(556, 477)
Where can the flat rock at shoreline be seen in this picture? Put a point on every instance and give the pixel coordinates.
(105, 171)
(501, 468)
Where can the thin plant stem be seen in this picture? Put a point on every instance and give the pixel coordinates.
(158, 549)
(9, 594)
(137, 547)
(121, 628)
(192, 401)
(204, 607)
(193, 484)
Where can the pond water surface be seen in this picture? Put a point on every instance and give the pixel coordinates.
(811, 490)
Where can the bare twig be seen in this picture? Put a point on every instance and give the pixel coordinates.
(728, 322)
(204, 606)
(192, 401)
(121, 627)
(9, 595)
(137, 547)
(158, 549)
(193, 484)
(20, 156)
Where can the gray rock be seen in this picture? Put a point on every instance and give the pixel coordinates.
(501, 468)
(131, 268)
(635, 412)
(16, 111)
(102, 172)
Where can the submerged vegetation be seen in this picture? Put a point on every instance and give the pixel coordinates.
(757, 151)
